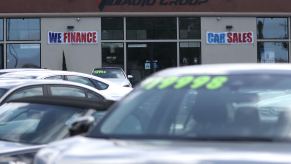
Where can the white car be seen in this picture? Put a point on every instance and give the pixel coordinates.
(194, 114)
(113, 74)
(103, 85)
(14, 89)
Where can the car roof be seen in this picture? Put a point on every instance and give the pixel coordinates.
(226, 69)
(119, 68)
(20, 69)
(77, 102)
(46, 73)
(10, 83)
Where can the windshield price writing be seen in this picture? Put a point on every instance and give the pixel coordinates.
(208, 82)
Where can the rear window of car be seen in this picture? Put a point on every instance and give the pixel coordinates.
(108, 73)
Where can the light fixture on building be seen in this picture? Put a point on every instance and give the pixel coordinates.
(229, 27)
(78, 19)
(70, 27)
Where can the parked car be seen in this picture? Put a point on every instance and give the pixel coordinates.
(103, 85)
(14, 89)
(113, 74)
(28, 124)
(229, 113)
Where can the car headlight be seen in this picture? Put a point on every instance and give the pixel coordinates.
(46, 156)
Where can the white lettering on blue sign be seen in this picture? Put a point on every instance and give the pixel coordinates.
(216, 38)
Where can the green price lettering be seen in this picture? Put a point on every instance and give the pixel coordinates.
(151, 83)
(199, 81)
(167, 82)
(216, 82)
(183, 82)
(99, 71)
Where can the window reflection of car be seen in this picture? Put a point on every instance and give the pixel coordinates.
(113, 74)
(13, 89)
(104, 86)
(194, 114)
(28, 124)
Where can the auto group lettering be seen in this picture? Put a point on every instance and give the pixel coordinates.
(74, 37)
(230, 38)
(142, 3)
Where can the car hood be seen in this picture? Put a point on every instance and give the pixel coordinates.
(82, 150)
(11, 147)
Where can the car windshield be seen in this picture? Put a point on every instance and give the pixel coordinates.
(203, 107)
(109, 73)
(35, 123)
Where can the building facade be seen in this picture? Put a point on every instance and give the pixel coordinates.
(142, 36)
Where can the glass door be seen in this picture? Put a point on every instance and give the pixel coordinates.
(143, 59)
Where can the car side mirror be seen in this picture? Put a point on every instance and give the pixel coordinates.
(129, 76)
(81, 125)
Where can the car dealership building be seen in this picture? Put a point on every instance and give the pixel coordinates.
(142, 36)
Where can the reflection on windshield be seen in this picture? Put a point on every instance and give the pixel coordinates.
(109, 73)
(249, 106)
(35, 123)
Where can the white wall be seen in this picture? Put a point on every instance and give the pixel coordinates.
(80, 58)
(241, 53)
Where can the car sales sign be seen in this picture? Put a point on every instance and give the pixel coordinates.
(72, 37)
(229, 37)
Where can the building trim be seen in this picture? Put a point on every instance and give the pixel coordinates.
(104, 14)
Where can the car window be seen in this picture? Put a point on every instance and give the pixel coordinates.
(58, 77)
(3, 91)
(79, 79)
(94, 96)
(100, 85)
(35, 123)
(67, 91)
(109, 73)
(27, 92)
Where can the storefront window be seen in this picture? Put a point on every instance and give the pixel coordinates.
(23, 55)
(272, 28)
(190, 28)
(1, 57)
(1, 30)
(23, 29)
(151, 28)
(190, 53)
(273, 52)
(112, 55)
(112, 28)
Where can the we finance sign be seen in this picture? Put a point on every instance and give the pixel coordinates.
(229, 37)
(72, 37)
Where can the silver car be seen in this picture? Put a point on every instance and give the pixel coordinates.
(234, 113)
(104, 86)
(14, 89)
